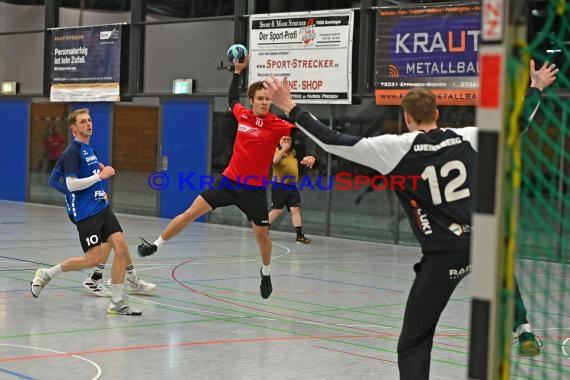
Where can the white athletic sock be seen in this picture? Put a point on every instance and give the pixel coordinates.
(117, 292)
(54, 271)
(159, 242)
(265, 269)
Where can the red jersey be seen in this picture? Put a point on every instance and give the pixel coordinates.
(54, 145)
(255, 144)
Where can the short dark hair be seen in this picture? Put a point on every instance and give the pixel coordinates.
(419, 103)
(253, 88)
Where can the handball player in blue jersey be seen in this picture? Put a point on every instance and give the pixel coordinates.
(94, 219)
(94, 282)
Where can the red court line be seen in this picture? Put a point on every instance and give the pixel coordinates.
(187, 344)
(173, 274)
(379, 334)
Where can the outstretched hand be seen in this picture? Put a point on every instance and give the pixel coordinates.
(308, 161)
(279, 93)
(544, 76)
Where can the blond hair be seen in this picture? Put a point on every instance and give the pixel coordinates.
(72, 117)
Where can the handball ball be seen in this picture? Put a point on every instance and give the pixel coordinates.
(238, 52)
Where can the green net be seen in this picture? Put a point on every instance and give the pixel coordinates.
(543, 232)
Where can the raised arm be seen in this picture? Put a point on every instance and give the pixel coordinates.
(381, 153)
(233, 93)
(284, 146)
(539, 80)
(280, 96)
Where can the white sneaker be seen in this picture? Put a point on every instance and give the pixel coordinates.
(141, 285)
(96, 287)
(138, 285)
(40, 280)
(121, 308)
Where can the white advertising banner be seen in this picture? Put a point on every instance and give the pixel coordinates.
(312, 49)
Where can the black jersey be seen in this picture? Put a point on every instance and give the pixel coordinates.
(439, 167)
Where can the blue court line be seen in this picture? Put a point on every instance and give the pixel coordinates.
(16, 374)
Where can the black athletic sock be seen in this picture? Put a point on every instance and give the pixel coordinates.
(299, 231)
(98, 272)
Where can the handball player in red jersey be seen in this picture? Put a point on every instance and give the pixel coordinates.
(243, 182)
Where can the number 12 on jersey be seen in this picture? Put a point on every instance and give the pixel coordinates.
(450, 192)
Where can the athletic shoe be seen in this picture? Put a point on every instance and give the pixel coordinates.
(121, 308)
(265, 288)
(40, 280)
(528, 344)
(146, 249)
(137, 285)
(141, 285)
(96, 287)
(303, 239)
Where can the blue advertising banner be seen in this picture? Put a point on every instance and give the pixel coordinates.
(86, 63)
(434, 47)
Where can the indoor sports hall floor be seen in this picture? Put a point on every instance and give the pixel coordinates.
(335, 313)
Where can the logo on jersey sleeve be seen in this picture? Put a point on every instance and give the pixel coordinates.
(459, 229)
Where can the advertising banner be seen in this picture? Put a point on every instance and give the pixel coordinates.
(312, 49)
(432, 47)
(86, 63)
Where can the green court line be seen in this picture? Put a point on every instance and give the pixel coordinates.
(289, 309)
(240, 321)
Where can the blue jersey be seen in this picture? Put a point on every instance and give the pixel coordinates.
(80, 161)
(55, 181)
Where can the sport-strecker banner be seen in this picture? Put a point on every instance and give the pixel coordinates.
(86, 63)
(312, 49)
(432, 47)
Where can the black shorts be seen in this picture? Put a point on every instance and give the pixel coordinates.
(252, 200)
(285, 195)
(95, 230)
(71, 218)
